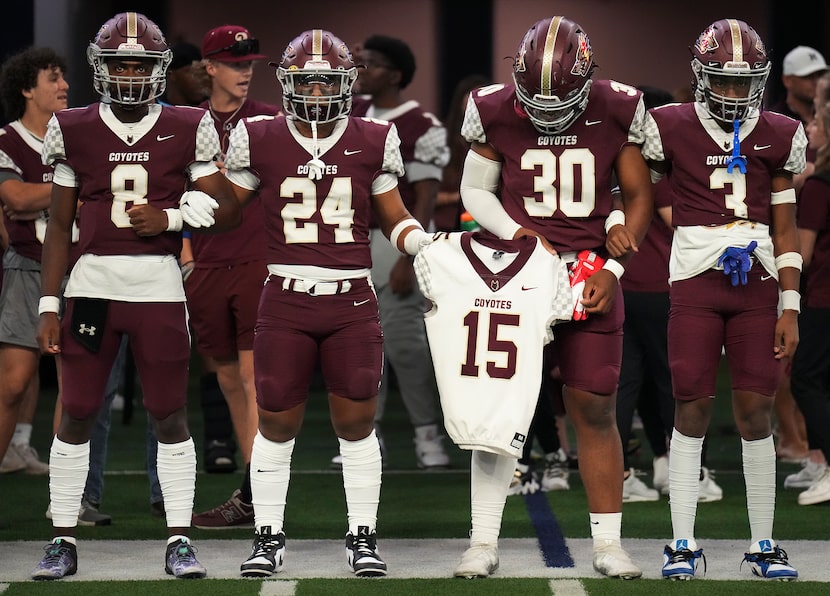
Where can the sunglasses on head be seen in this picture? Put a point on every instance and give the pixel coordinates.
(243, 47)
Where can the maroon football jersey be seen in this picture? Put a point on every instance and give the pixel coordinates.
(814, 214)
(704, 191)
(648, 269)
(247, 242)
(125, 166)
(559, 185)
(20, 158)
(324, 222)
(412, 127)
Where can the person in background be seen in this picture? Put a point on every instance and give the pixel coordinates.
(225, 282)
(447, 214)
(735, 245)
(184, 88)
(32, 88)
(514, 131)
(133, 209)
(388, 67)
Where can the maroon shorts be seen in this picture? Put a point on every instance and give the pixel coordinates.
(709, 314)
(589, 352)
(223, 304)
(295, 331)
(159, 342)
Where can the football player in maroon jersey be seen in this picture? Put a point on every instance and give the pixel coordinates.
(730, 171)
(332, 174)
(544, 151)
(125, 161)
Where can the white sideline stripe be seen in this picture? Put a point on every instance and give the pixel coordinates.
(567, 587)
(320, 472)
(3, 588)
(278, 587)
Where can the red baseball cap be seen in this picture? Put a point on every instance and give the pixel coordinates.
(231, 43)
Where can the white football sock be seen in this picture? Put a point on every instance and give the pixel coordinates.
(490, 476)
(605, 527)
(684, 483)
(270, 473)
(22, 434)
(68, 469)
(759, 474)
(362, 470)
(176, 464)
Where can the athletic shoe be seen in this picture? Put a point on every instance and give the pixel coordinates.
(819, 491)
(555, 476)
(219, 457)
(660, 465)
(709, 491)
(523, 482)
(480, 560)
(230, 515)
(429, 448)
(362, 553)
(681, 558)
(636, 491)
(30, 457)
(12, 461)
(88, 515)
(805, 477)
(180, 560)
(267, 554)
(612, 561)
(769, 561)
(60, 560)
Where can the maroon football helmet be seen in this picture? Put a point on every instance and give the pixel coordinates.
(729, 53)
(129, 35)
(552, 72)
(317, 59)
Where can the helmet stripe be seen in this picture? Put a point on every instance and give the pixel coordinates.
(132, 27)
(547, 55)
(317, 44)
(737, 41)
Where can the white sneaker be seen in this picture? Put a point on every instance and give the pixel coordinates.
(429, 447)
(660, 465)
(480, 560)
(30, 457)
(612, 561)
(804, 478)
(819, 491)
(12, 461)
(709, 491)
(555, 476)
(524, 481)
(635, 490)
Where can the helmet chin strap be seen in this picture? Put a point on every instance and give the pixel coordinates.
(316, 166)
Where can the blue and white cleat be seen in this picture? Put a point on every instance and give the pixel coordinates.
(766, 559)
(180, 560)
(681, 558)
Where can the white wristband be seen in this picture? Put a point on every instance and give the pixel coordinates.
(174, 220)
(614, 267)
(615, 218)
(791, 300)
(789, 259)
(783, 196)
(400, 227)
(49, 304)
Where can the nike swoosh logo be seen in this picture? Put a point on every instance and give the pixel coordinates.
(161, 138)
(524, 289)
(761, 147)
(766, 277)
(266, 471)
(592, 122)
(362, 302)
(351, 152)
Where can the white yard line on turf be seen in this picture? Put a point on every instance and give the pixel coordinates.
(567, 587)
(278, 588)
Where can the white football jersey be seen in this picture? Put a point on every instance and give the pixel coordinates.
(493, 305)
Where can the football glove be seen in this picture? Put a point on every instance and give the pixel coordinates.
(587, 263)
(197, 209)
(736, 262)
